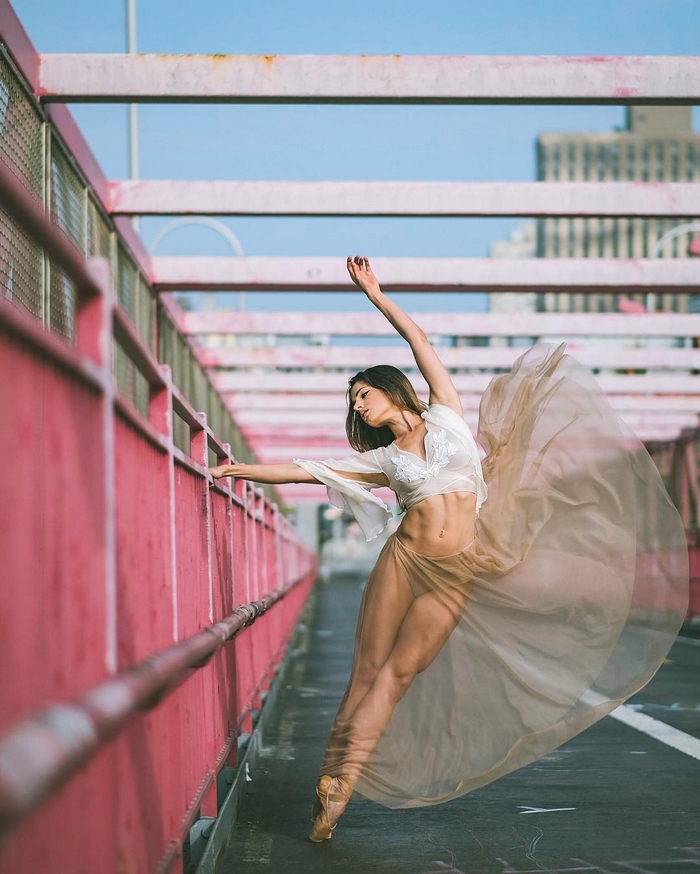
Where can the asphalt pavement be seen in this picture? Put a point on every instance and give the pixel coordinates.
(615, 799)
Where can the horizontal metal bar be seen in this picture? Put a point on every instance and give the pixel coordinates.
(41, 752)
(128, 337)
(430, 274)
(451, 356)
(26, 328)
(370, 79)
(339, 449)
(330, 428)
(217, 447)
(183, 408)
(124, 406)
(184, 460)
(281, 407)
(306, 383)
(405, 199)
(455, 324)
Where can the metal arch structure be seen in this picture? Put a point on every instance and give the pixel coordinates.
(188, 556)
(203, 221)
(207, 222)
(673, 234)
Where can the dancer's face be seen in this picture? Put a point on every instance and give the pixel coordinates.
(371, 404)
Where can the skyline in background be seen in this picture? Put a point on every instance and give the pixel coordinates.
(471, 143)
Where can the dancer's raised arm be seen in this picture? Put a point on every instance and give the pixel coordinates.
(442, 390)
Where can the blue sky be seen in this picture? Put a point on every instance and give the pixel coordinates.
(351, 142)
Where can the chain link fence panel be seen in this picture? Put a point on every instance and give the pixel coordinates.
(21, 132)
(21, 267)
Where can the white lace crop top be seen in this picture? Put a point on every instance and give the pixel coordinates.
(452, 465)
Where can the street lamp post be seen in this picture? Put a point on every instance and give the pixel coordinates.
(132, 120)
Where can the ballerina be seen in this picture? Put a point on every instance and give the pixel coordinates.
(518, 601)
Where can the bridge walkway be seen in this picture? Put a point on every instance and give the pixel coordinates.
(612, 800)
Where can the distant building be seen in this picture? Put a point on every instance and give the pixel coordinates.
(522, 243)
(657, 145)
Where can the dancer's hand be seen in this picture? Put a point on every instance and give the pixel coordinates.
(220, 471)
(361, 274)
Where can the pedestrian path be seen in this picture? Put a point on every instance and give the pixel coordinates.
(613, 800)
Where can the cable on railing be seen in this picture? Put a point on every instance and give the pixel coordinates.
(43, 750)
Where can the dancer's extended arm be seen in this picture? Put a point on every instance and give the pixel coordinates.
(279, 474)
(275, 474)
(442, 390)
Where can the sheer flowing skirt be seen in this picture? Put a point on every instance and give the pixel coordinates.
(564, 604)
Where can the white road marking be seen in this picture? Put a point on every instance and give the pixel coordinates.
(672, 737)
(525, 809)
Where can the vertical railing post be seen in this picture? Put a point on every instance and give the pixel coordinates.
(199, 452)
(93, 338)
(160, 413)
(277, 518)
(252, 538)
(681, 482)
(241, 586)
(262, 562)
(228, 459)
(692, 475)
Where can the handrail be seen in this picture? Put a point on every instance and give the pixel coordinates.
(42, 751)
(46, 744)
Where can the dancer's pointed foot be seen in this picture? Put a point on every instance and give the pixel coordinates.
(333, 794)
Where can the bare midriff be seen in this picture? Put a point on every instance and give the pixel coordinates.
(440, 525)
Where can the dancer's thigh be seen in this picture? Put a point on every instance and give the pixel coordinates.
(385, 603)
(428, 623)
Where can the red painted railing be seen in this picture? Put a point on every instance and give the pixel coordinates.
(677, 462)
(120, 573)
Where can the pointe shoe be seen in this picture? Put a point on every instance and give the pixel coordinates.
(333, 796)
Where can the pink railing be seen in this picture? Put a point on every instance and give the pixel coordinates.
(677, 462)
(126, 681)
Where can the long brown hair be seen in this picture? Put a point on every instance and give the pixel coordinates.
(397, 388)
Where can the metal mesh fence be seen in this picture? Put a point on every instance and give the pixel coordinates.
(21, 132)
(99, 243)
(181, 434)
(47, 293)
(130, 382)
(146, 313)
(194, 383)
(168, 348)
(68, 210)
(21, 267)
(62, 300)
(67, 197)
(127, 289)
